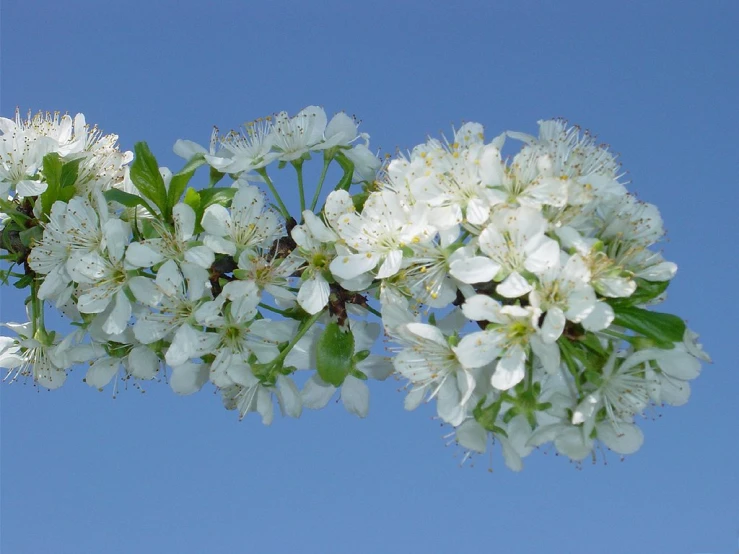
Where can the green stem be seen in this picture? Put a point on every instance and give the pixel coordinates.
(283, 210)
(371, 310)
(616, 335)
(322, 178)
(273, 309)
(37, 313)
(298, 165)
(277, 362)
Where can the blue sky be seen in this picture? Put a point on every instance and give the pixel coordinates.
(153, 472)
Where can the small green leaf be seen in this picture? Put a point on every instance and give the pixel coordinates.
(52, 165)
(645, 291)
(127, 199)
(219, 195)
(215, 176)
(70, 172)
(192, 199)
(661, 327)
(179, 181)
(334, 353)
(145, 175)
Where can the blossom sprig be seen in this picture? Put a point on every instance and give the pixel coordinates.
(516, 291)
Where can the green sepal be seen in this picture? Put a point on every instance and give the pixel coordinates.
(24, 282)
(361, 356)
(147, 179)
(665, 329)
(334, 354)
(30, 236)
(348, 166)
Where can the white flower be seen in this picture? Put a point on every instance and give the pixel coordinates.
(295, 136)
(141, 363)
(563, 293)
(378, 236)
(516, 241)
(623, 392)
(246, 151)
(315, 244)
(26, 356)
(172, 245)
(512, 333)
(181, 291)
(430, 364)
(247, 226)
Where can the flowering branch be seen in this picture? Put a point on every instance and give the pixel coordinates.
(517, 292)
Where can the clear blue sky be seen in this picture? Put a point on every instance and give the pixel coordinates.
(156, 473)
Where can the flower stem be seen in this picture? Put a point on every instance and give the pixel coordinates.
(319, 186)
(307, 324)
(283, 210)
(298, 165)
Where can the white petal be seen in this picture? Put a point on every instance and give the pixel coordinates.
(201, 256)
(510, 369)
(414, 398)
(145, 290)
(481, 308)
(313, 294)
(184, 218)
(477, 349)
(355, 396)
(188, 377)
(142, 255)
(391, 265)
(478, 269)
(353, 265)
(472, 435)
(600, 318)
(316, 394)
(181, 348)
(143, 363)
(101, 372)
(118, 319)
(627, 438)
(514, 286)
(554, 324)
(217, 221)
(289, 396)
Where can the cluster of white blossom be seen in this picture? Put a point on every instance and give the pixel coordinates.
(538, 270)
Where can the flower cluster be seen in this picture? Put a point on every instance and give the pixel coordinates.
(515, 290)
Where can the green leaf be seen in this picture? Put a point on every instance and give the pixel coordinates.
(215, 176)
(220, 195)
(179, 181)
(334, 353)
(145, 175)
(53, 166)
(70, 172)
(645, 291)
(192, 199)
(663, 328)
(127, 199)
